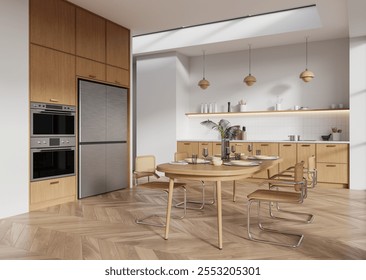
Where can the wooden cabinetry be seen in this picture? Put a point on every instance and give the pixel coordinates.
(216, 148)
(207, 145)
(52, 76)
(287, 151)
(270, 149)
(332, 163)
(52, 24)
(52, 192)
(240, 147)
(188, 147)
(118, 76)
(90, 35)
(90, 69)
(117, 44)
(304, 151)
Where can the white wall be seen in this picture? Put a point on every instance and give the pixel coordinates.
(277, 71)
(358, 112)
(14, 113)
(156, 106)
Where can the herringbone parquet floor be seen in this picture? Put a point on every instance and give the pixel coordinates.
(103, 227)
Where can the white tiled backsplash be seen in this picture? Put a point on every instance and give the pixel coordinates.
(310, 126)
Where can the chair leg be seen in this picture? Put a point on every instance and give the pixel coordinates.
(202, 202)
(144, 220)
(309, 218)
(251, 237)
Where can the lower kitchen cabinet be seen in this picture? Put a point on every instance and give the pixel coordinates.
(188, 147)
(202, 145)
(270, 149)
(304, 151)
(51, 192)
(287, 151)
(335, 173)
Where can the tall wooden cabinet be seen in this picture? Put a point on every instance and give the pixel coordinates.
(52, 76)
(52, 24)
(118, 45)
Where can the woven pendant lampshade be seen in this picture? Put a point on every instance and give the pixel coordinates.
(306, 75)
(203, 84)
(250, 80)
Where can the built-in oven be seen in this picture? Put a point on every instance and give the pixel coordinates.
(52, 157)
(48, 120)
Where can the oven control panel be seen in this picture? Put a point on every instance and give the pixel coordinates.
(52, 142)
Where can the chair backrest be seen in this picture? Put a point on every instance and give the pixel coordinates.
(180, 156)
(311, 166)
(299, 175)
(145, 163)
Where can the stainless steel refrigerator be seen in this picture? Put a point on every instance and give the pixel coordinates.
(103, 151)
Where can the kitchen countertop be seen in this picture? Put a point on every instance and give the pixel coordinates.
(269, 141)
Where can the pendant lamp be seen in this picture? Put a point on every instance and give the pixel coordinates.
(306, 75)
(203, 84)
(250, 80)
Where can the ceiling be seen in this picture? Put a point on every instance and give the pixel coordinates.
(146, 16)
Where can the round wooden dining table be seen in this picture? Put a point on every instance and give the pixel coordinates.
(209, 173)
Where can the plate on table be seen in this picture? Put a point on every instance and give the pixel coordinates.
(242, 163)
(199, 160)
(263, 157)
(179, 162)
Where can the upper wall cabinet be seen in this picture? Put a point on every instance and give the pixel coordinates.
(52, 76)
(118, 42)
(90, 35)
(52, 24)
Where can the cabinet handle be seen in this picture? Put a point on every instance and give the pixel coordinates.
(187, 143)
(330, 146)
(54, 182)
(305, 145)
(264, 145)
(287, 145)
(330, 165)
(239, 145)
(204, 144)
(53, 100)
(117, 82)
(217, 144)
(92, 76)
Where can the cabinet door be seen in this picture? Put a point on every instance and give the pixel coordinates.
(118, 76)
(52, 76)
(270, 149)
(52, 192)
(240, 147)
(52, 24)
(188, 147)
(207, 145)
(334, 153)
(332, 173)
(216, 149)
(90, 35)
(90, 69)
(118, 46)
(304, 151)
(287, 152)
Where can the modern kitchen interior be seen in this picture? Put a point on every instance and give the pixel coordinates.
(93, 88)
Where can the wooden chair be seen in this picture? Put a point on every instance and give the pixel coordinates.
(311, 173)
(181, 156)
(299, 184)
(145, 167)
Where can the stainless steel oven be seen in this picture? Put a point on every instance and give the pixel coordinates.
(48, 120)
(52, 157)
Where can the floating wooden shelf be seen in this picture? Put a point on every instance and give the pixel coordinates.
(233, 114)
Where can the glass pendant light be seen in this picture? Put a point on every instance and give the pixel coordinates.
(203, 84)
(306, 75)
(250, 80)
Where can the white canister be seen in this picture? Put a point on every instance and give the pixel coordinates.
(336, 136)
(205, 108)
(202, 108)
(278, 106)
(242, 107)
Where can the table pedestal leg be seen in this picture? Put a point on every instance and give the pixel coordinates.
(219, 212)
(169, 207)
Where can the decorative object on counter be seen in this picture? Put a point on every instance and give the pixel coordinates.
(336, 134)
(278, 106)
(227, 133)
(244, 134)
(250, 80)
(296, 107)
(326, 137)
(242, 105)
(203, 84)
(306, 75)
(333, 106)
(340, 106)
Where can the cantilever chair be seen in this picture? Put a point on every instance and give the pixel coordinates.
(311, 173)
(146, 166)
(201, 203)
(299, 184)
